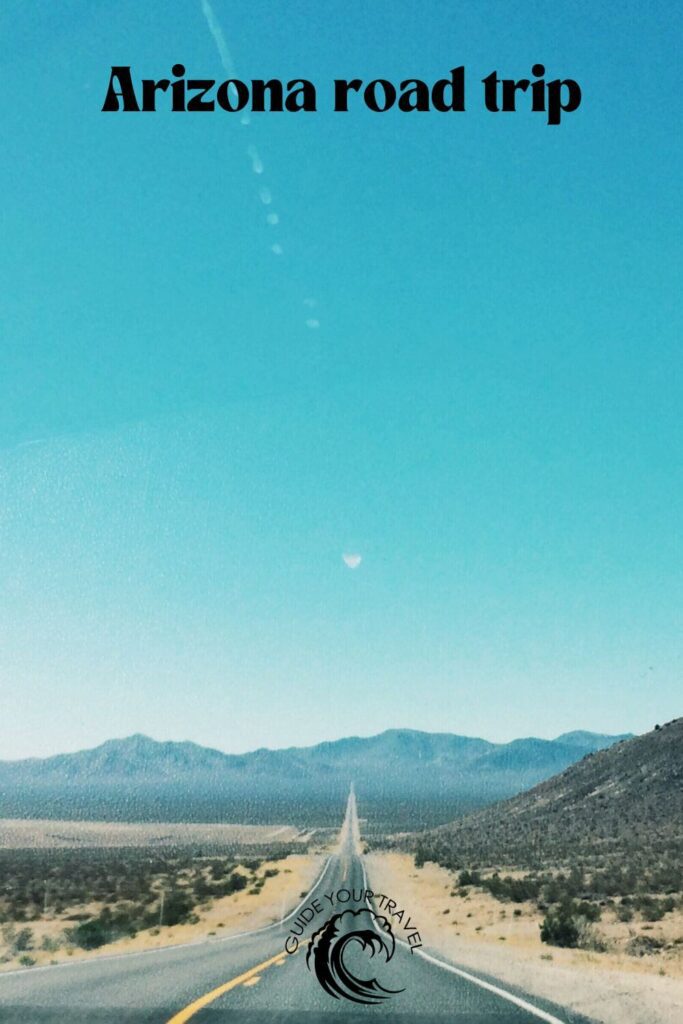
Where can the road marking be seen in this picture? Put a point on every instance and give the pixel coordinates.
(517, 1000)
(522, 1003)
(252, 981)
(249, 977)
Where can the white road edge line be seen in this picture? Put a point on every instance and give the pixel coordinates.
(517, 1000)
(511, 998)
(30, 971)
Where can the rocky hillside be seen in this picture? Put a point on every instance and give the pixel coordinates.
(627, 798)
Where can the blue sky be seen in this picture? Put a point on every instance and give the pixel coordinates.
(488, 410)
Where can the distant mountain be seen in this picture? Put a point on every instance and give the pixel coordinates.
(401, 776)
(624, 798)
(589, 741)
(128, 758)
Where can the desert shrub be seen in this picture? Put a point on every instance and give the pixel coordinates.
(220, 868)
(469, 878)
(202, 888)
(252, 865)
(23, 940)
(26, 960)
(234, 883)
(89, 935)
(653, 909)
(560, 928)
(126, 918)
(177, 908)
(519, 890)
(237, 881)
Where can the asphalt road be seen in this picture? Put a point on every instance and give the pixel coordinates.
(250, 979)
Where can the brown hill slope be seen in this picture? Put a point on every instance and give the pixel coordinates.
(627, 799)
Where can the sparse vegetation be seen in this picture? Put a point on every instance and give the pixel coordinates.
(574, 901)
(105, 895)
(567, 925)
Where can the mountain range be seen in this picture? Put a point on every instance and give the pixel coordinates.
(402, 776)
(614, 801)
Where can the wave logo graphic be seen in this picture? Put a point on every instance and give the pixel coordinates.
(327, 947)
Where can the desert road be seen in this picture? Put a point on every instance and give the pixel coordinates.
(250, 979)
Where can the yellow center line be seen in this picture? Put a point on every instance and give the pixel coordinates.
(199, 1004)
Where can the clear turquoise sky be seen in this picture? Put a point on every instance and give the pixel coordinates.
(488, 410)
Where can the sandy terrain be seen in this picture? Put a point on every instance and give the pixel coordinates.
(16, 834)
(484, 934)
(241, 911)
